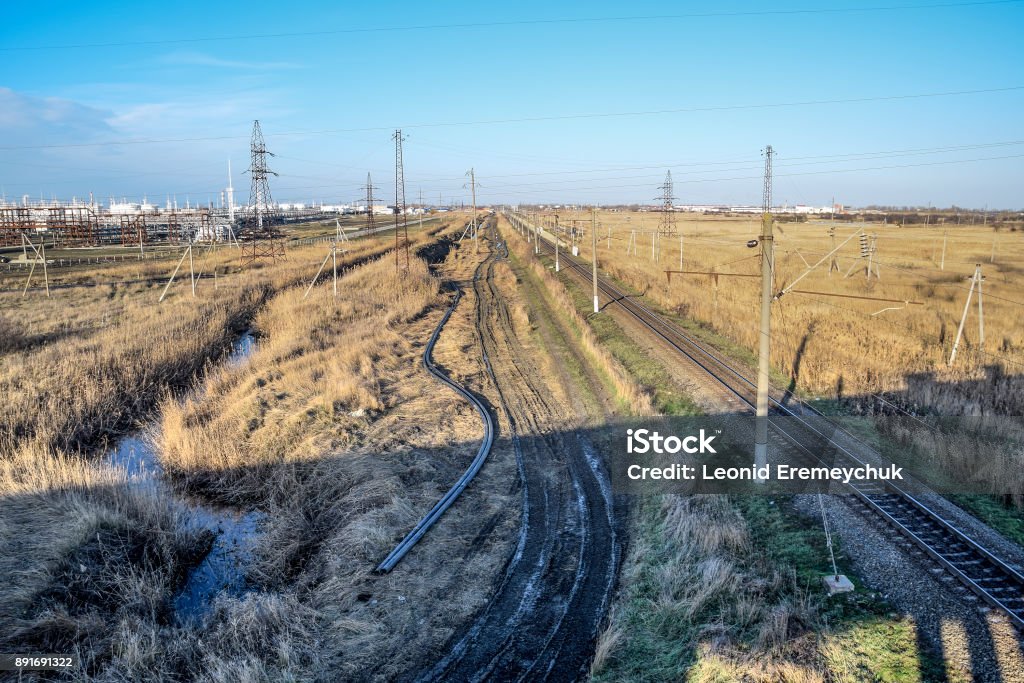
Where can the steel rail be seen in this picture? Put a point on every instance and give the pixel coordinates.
(923, 522)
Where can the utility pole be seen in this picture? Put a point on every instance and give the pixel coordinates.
(976, 280)
(558, 265)
(945, 236)
(833, 264)
(191, 271)
(421, 208)
(872, 261)
(536, 235)
(764, 348)
(472, 184)
(593, 246)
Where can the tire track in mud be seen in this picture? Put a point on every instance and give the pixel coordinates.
(544, 617)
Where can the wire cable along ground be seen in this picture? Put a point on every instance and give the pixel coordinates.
(428, 520)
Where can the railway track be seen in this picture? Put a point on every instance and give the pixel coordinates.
(813, 436)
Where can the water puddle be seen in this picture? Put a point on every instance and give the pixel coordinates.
(223, 568)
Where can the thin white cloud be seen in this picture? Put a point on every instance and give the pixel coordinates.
(203, 59)
(27, 119)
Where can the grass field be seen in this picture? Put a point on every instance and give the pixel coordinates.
(98, 559)
(716, 588)
(832, 345)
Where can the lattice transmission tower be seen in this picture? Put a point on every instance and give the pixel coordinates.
(401, 220)
(371, 220)
(667, 223)
(263, 238)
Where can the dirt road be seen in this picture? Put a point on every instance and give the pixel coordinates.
(544, 616)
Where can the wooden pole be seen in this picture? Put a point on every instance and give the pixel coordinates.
(191, 271)
(30, 271)
(317, 275)
(164, 293)
(46, 277)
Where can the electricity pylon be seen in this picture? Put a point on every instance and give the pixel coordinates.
(371, 221)
(667, 223)
(401, 219)
(264, 239)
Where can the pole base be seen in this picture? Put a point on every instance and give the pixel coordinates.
(760, 460)
(837, 583)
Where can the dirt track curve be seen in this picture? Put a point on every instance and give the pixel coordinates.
(544, 616)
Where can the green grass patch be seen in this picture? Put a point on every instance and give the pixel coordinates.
(1009, 521)
(538, 302)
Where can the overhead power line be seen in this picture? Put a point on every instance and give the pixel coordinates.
(516, 23)
(538, 119)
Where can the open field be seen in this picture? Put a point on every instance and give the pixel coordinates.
(699, 595)
(331, 433)
(835, 346)
(81, 364)
(333, 382)
(862, 640)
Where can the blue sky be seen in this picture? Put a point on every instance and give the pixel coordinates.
(327, 100)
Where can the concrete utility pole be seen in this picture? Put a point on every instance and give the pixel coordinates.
(945, 236)
(472, 184)
(976, 280)
(833, 264)
(536, 235)
(558, 266)
(764, 349)
(334, 264)
(593, 244)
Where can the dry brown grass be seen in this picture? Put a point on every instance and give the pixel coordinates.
(87, 362)
(629, 392)
(847, 350)
(265, 413)
(95, 560)
(83, 553)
